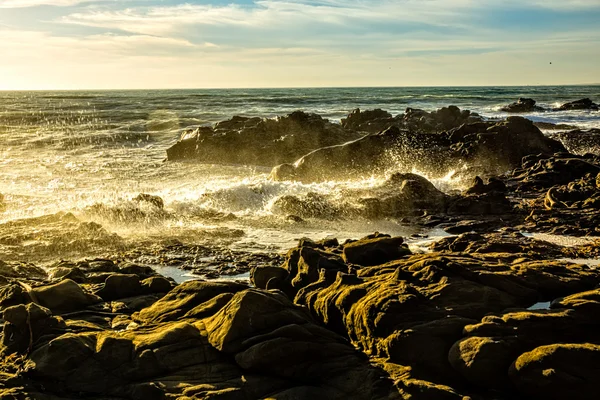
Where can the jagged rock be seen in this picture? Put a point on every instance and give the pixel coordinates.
(522, 105)
(514, 243)
(438, 121)
(258, 344)
(580, 142)
(583, 104)
(489, 145)
(258, 141)
(371, 121)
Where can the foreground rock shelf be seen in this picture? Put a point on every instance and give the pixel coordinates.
(360, 320)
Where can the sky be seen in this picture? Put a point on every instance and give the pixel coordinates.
(142, 44)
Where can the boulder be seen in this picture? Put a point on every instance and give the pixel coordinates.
(582, 104)
(118, 286)
(63, 296)
(559, 371)
(371, 121)
(374, 251)
(521, 106)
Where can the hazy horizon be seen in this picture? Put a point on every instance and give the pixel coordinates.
(292, 87)
(217, 44)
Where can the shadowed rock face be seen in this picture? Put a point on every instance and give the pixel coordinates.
(257, 141)
(522, 105)
(580, 142)
(268, 142)
(583, 104)
(495, 146)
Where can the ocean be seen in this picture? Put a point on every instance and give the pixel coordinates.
(69, 158)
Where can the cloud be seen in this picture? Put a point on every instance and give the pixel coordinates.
(35, 3)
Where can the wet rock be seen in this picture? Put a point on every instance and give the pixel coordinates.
(579, 141)
(583, 104)
(401, 194)
(371, 121)
(488, 146)
(153, 200)
(374, 251)
(258, 141)
(522, 105)
(438, 121)
(311, 205)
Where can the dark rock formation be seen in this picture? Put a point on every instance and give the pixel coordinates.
(420, 312)
(202, 340)
(371, 121)
(521, 106)
(444, 119)
(493, 146)
(583, 104)
(268, 142)
(580, 142)
(257, 141)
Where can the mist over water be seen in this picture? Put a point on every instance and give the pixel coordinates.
(91, 153)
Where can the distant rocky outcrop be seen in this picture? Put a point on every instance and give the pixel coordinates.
(583, 104)
(521, 106)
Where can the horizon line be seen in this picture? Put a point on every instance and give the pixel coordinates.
(296, 87)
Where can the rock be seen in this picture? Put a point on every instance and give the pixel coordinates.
(63, 296)
(153, 200)
(261, 276)
(579, 141)
(256, 141)
(583, 104)
(488, 146)
(437, 121)
(558, 371)
(401, 194)
(185, 297)
(522, 105)
(24, 325)
(375, 251)
(156, 284)
(118, 286)
(312, 205)
(371, 121)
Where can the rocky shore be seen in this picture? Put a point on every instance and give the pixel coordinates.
(479, 317)
(500, 309)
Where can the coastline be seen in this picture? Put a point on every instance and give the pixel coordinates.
(487, 310)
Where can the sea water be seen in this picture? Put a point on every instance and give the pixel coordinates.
(80, 152)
